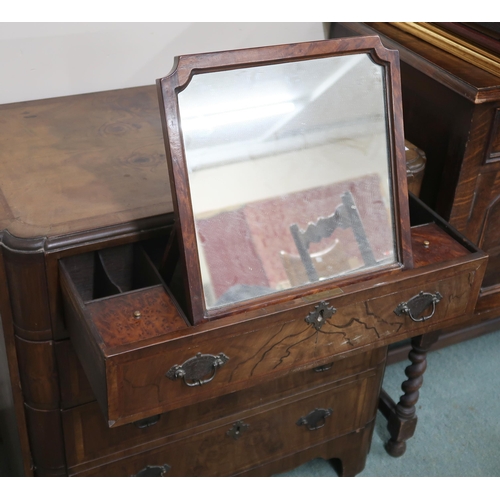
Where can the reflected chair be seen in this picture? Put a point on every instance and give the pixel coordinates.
(333, 261)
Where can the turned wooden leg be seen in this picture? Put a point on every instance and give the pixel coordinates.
(401, 417)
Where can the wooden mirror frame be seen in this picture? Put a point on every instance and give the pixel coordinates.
(184, 69)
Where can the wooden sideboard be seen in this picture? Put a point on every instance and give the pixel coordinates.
(85, 204)
(451, 110)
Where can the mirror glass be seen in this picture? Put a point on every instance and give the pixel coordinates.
(289, 174)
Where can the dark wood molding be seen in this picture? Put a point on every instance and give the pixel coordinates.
(22, 245)
(46, 441)
(13, 420)
(147, 227)
(426, 59)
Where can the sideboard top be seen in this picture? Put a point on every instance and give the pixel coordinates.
(462, 77)
(81, 162)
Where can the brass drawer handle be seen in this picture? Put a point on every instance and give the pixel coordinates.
(315, 419)
(199, 370)
(153, 471)
(418, 304)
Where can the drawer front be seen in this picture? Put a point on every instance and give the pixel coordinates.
(139, 385)
(88, 438)
(253, 438)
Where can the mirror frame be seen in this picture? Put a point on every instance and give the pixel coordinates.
(183, 70)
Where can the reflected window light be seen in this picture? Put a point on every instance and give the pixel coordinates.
(216, 120)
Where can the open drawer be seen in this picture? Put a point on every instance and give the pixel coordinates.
(142, 358)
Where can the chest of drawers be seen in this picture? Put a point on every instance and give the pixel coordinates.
(86, 202)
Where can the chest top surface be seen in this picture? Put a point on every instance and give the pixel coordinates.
(77, 163)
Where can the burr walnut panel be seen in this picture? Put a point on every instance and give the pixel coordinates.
(257, 355)
(147, 372)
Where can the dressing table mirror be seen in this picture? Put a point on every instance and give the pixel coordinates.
(286, 169)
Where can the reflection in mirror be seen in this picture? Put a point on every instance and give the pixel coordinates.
(288, 169)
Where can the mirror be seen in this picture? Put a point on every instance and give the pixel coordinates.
(290, 170)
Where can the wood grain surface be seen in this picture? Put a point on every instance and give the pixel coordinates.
(452, 110)
(75, 163)
(465, 78)
(126, 358)
(272, 433)
(89, 439)
(78, 173)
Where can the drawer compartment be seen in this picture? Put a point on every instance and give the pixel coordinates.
(88, 438)
(246, 439)
(142, 358)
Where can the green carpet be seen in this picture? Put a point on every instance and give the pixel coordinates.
(458, 431)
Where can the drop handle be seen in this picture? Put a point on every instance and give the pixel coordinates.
(315, 419)
(417, 305)
(199, 370)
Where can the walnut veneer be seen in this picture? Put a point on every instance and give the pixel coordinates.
(87, 213)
